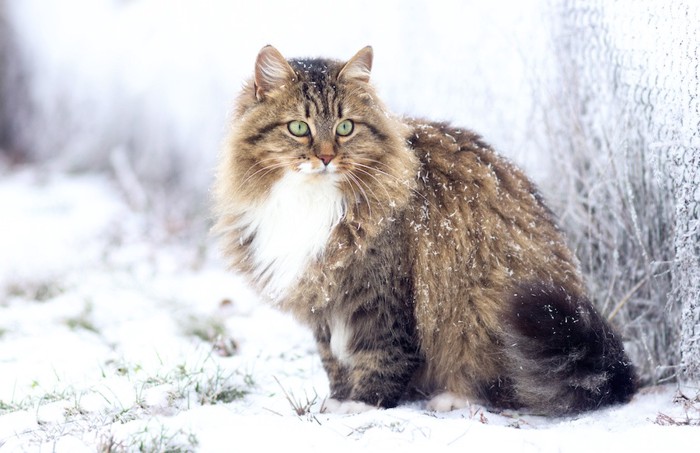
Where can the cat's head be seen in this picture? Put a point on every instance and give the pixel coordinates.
(319, 118)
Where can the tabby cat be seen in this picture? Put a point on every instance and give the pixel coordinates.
(424, 263)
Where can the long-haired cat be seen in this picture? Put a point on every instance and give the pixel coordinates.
(424, 263)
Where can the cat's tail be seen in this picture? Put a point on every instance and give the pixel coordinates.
(562, 355)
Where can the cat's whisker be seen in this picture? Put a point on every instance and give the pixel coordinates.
(388, 175)
(373, 167)
(379, 183)
(362, 191)
(414, 191)
(259, 162)
(349, 184)
(264, 171)
(359, 185)
(384, 173)
(373, 161)
(383, 185)
(376, 170)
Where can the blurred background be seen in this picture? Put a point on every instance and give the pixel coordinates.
(597, 100)
(148, 84)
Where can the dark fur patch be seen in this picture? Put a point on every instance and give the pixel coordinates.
(318, 82)
(379, 135)
(499, 393)
(565, 357)
(262, 132)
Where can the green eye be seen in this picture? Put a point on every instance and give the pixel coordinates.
(345, 128)
(298, 128)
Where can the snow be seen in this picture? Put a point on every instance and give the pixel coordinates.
(110, 335)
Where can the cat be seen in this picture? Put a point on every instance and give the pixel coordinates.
(425, 264)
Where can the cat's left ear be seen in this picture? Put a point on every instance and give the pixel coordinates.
(271, 72)
(358, 67)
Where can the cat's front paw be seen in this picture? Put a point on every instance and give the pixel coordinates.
(447, 401)
(334, 406)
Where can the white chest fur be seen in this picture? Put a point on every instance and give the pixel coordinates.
(291, 227)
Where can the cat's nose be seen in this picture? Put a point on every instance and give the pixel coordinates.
(326, 158)
(325, 152)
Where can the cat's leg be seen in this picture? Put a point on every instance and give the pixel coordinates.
(381, 353)
(338, 376)
(336, 372)
(369, 355)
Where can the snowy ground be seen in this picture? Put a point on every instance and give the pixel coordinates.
(114, 336)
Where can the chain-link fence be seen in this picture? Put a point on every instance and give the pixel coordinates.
(623, 128)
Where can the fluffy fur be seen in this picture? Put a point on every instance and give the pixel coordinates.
(423, 262)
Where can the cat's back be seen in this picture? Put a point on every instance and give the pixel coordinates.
(475, 206)
(455, 160)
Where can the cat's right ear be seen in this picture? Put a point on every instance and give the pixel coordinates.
(271, 72)
(359, 66)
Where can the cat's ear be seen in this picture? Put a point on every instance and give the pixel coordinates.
(358, 67)
(271, 72)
